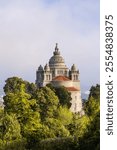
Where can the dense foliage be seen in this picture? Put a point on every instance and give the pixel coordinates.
(63, 95)
(40, 119)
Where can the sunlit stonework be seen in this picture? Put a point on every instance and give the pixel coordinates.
(57, 73)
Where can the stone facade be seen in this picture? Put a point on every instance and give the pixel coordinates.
(57, 73)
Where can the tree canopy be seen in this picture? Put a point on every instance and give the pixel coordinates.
(63, 95)
(39, 118)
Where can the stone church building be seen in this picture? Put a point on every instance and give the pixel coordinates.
(57, 73)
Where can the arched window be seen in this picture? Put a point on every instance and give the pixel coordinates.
(74, 77)
(46, 77)
(75, 107)
(49, 77)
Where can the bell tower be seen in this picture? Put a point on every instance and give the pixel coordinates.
(39, 76)
(47, 75)
(74, 73)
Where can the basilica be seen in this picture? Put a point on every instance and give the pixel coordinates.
(57, 73)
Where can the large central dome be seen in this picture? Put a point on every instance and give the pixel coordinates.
(56, 60)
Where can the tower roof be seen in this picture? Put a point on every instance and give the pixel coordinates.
(40, 68)
(47, 68)
(73, 68)
(72, 89)
(61, 78)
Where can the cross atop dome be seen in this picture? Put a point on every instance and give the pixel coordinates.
(56, 52)
(56, 47)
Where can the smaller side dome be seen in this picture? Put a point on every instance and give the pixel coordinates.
(73, 68)
(47, 68)
(40, 68)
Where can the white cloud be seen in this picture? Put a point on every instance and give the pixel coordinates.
(29, 30)
(87, 92)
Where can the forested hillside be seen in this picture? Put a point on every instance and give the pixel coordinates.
(40, 119)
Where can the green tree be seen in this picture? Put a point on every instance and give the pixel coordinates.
(81, 126)
(95, 91)
(13, 85)
(10, 133)
(91, 139)
(24, 108)
(63, 95)
(57, 129)
(42, 116)
(1, 124)
(19, 101)
(47, 101)
(31, 89)
(34, 138)
(11, 128)
(64, 143)
(92, 106)
(64, 115)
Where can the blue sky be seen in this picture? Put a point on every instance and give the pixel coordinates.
(29, 30)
